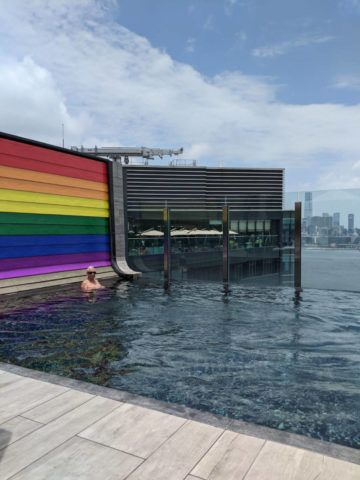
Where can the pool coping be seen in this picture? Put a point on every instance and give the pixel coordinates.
(299, 441)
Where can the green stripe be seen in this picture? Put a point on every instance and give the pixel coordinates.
(23, 229)
(55, 220)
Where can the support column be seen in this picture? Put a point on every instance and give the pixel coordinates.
(297, 253)
(118, 230)
(225, 256)
(167, 244)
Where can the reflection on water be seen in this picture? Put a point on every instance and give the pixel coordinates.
(261, 355)
(331, 269)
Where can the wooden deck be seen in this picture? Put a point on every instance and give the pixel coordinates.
(51, 431)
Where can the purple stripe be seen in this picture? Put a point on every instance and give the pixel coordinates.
(23, 272)
(52, 260)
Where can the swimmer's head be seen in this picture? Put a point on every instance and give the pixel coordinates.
(91, 270)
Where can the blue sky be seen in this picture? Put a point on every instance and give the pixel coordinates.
(301, 46)
(246, 83)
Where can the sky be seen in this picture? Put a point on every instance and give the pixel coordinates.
(237, 83)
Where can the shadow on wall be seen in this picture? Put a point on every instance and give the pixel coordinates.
(5, 437)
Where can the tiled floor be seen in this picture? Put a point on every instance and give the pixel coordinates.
(51, 431)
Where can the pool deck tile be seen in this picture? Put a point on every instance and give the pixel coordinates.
(15, 429)
(8, 378)
(230, 457)
(63, 403)
(30, 448)
(285, 463)
(14, 401)
(81, 459)
(91, 432)
(135, 430)
(179, 454)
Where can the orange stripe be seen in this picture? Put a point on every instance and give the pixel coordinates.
(50, 178)
(12, 184)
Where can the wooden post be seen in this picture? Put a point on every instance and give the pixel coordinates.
(167, 247)
(297, 253)
(225, 256)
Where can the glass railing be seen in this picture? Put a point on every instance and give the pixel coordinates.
(330, 238)
(261, 245)
(196, 244)
(145, 241)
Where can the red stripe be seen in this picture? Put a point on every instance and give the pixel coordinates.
(35, 165)
(30, 157)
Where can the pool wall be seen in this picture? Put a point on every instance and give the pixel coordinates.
(54, 212)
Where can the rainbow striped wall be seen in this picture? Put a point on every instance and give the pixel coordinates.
(54, 210)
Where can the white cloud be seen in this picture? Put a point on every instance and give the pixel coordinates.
(111, 87)
(32, 104)
(350, 5)
(230, 4)
(347, 81)
(190, 44)
(284, 47)
(209, 22)
(242, 36)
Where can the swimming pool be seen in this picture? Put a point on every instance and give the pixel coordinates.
(252, 354)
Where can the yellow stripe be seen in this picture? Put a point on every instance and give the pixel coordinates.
(22, 207)
(47, 198)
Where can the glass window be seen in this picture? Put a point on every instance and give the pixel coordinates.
(251, 225)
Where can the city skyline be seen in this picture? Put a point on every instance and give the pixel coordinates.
(344, 202)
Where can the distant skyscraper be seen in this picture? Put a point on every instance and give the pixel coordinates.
(321, 222)
(351, 222)
(336, 219)
(308, 205)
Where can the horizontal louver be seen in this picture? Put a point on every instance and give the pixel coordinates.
(203, 188)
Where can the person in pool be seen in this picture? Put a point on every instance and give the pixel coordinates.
(91, 283)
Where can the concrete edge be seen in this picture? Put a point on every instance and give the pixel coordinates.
(339, 452)
(46, 288)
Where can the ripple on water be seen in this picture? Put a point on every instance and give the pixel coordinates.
(249, 353)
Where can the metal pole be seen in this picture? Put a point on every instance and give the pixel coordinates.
(225, 226)
(297, 253)
(166, 218)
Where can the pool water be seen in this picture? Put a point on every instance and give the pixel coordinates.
(257, 355)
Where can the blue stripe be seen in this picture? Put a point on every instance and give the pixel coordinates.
(41, 250)
(34, 240)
